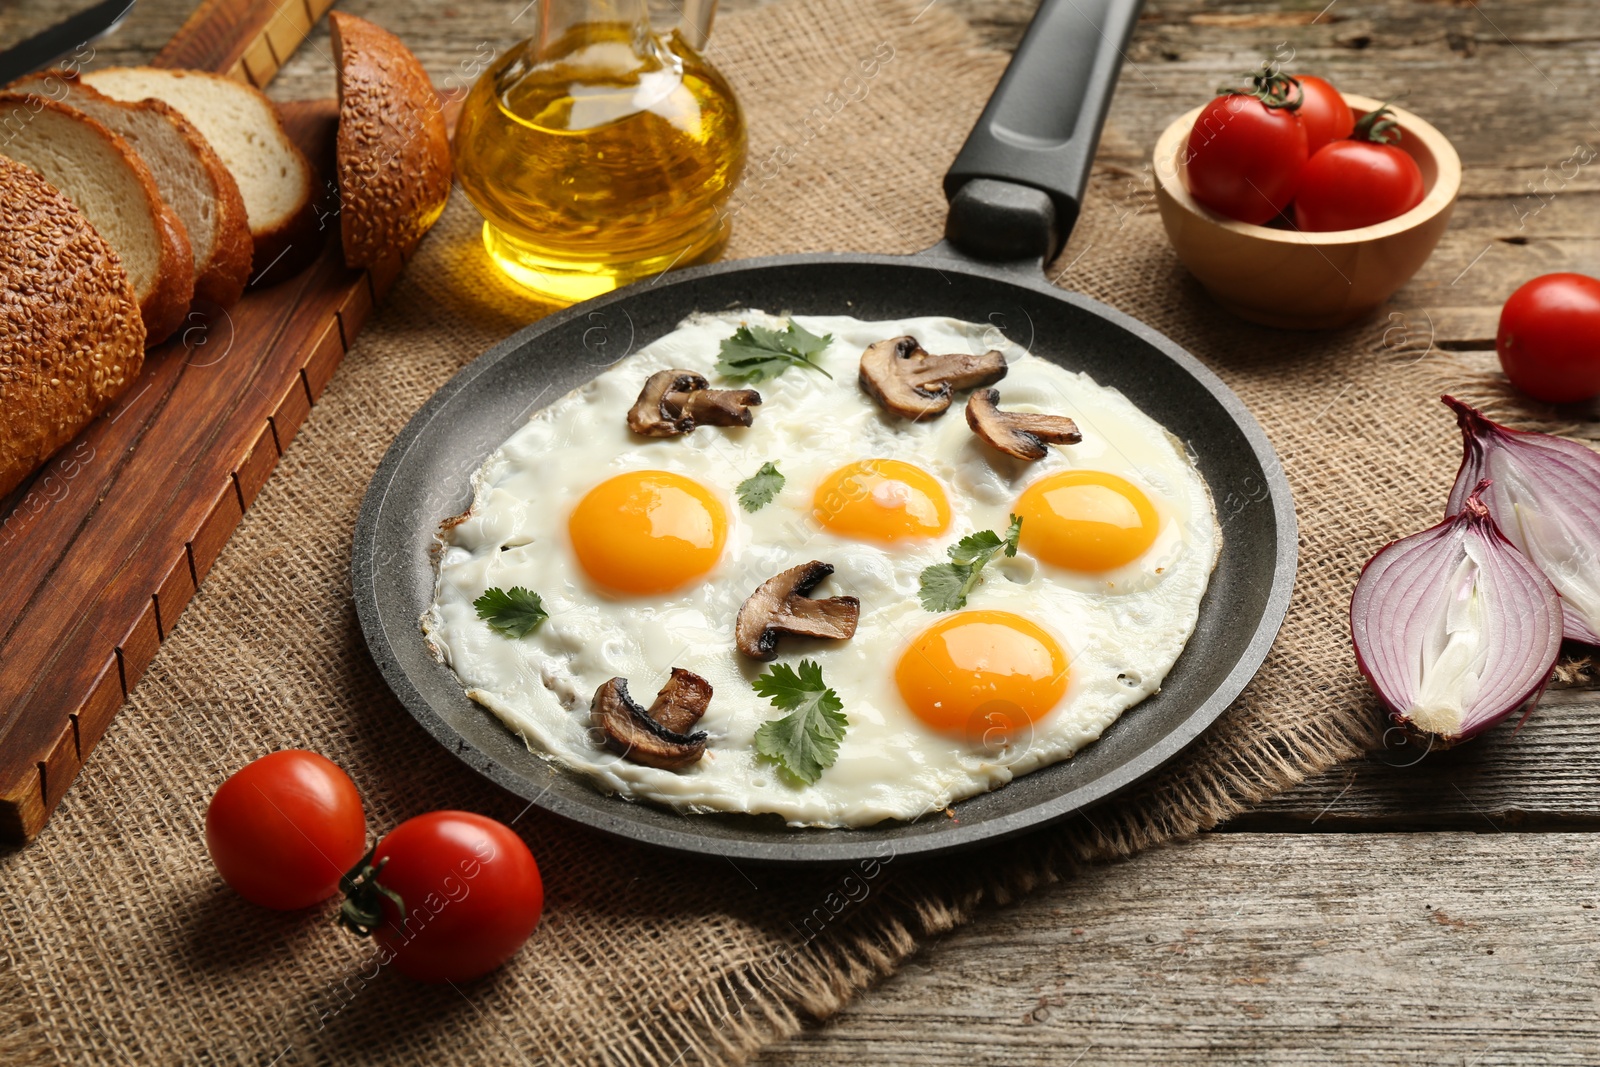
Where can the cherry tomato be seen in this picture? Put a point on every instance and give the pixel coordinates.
(1323, 112)
(1350, 184)
(1549, 338)
(471, 893)
(1244, 156)
(284, 829)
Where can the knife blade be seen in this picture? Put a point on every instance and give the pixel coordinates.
(45, 47)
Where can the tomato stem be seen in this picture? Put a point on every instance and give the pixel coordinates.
(1271, 86)
(362, 910)
(1377, 126)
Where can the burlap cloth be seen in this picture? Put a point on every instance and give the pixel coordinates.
(122, 943)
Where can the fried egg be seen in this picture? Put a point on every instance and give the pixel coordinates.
(643, 555)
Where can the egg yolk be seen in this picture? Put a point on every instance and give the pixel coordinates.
(1086, 521)
(982, 675)
(881, 500)
(647, 531)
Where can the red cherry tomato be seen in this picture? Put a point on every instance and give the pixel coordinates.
(471, 891)
(1244, 156)
(1549, 338)
(1323, 113)
(284, 829)
(1350, 184)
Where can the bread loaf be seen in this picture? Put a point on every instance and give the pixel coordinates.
(190, 176)
(241, 124)
(71, 336)
(393, 149)
(107, 181)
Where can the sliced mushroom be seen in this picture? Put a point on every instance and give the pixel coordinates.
(780, 606)
(1018, 433)
(718, 407)
(674, 402)
(902, 377)
(680, 703)
(651, 415)
(658, 737)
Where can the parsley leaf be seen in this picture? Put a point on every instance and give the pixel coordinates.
(944, 586)
(514, 614)
(757, 491)
(754, 353)
(806, 741)
(1013, 536)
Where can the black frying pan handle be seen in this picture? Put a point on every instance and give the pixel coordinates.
(1039, 132)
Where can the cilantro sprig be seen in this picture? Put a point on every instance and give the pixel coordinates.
(757, 491)
(755, 353)
(944, 586)
(514, 614)
(805, 742)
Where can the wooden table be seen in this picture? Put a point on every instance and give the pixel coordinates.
(1434, 910)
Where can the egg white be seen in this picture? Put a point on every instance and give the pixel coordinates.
(1121, 630)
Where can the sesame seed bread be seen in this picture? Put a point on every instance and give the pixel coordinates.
(188, 172)
(105, 179)
(241, 124)
(393, 149)
(71, 336)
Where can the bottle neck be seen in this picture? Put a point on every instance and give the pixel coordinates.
(564, 24)
(592, 62)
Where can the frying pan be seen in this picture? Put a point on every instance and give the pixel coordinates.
(1014, 192)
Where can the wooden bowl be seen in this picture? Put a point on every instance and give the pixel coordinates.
(1307, 281)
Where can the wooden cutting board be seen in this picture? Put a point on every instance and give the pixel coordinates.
(106, 544)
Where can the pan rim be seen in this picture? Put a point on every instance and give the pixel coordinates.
(787, 847)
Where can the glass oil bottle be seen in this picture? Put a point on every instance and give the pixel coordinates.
(599, 151)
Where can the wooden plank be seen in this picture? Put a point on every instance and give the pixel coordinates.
(290, 411)
(174, 589)
(358, 304)
(58, 763)
(221, 517)
(217, 35)
(1259, 949)
(289, 26)
(257, 65)
(247, 39)
(86, 469)
(138, 647)
(322, 356)
(1539, 777)
(252, 473)
(100, 707)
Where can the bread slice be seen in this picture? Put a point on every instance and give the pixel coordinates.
(191, 177)
(105, 179)
(274, 177)
(393, 150)
(71, 337)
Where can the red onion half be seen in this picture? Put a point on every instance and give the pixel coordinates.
(1453, 627)
(1545, 498)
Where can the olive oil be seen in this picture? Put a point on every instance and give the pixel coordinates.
(599, 152)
